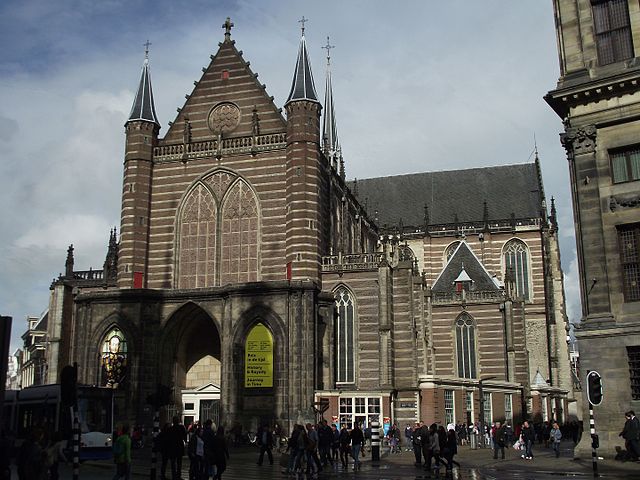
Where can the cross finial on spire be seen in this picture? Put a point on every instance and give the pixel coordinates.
(227, 25)
(303, 21)
(146, 46)
(328, 48)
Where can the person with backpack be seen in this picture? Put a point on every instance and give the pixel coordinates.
(555, 436)
(122, 454)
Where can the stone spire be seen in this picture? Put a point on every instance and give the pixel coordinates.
(68, 264)
(143, 108)
(302, 87)
(329, 129)
(111, 261)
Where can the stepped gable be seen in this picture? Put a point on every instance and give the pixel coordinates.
(227, 79)
(506, 189)
(463, 257)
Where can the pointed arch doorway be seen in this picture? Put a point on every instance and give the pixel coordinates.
(190, 362)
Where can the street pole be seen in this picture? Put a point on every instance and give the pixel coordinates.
(594, 441)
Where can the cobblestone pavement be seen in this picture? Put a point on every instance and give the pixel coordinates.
(474, 465)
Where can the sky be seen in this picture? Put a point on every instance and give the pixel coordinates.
(419, 85)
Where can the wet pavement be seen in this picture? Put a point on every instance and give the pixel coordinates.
(474, 465)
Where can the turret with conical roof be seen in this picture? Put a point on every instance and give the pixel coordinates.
(143, 107)
(142, 130)
(307, 175)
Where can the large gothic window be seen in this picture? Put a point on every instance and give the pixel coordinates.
(466, 346)
(113, 359)
(197, 248)
(239, 259)
(516, 259)
(345, 332)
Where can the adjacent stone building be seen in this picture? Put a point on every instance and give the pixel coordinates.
(247, 263)
(598, 99)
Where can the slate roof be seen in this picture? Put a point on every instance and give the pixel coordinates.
(302, 87)
(506, 189)
(143, 107)
(463, 257)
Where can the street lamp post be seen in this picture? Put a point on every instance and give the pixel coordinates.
(481, 416)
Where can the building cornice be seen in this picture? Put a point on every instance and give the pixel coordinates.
(582, 93)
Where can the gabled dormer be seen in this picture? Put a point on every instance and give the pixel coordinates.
(464, 271)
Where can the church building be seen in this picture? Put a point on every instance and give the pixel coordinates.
(249, 269)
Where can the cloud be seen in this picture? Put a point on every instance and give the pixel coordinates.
(8, 128)
(86, 230)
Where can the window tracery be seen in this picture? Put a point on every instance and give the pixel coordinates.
(466, 346)
(345, 336)
(516, 259)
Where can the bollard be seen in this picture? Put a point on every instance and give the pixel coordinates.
(375, 441)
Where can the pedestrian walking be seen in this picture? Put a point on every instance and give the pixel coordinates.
(345, 446)
(499, 440)
(528, 437)
(176, 439)
(357, 439)
(631, 434)
(221, 453)
(416, 440)
(264, 437)
(450, 448)
(122, 454)
(555, 435)
(407, 438)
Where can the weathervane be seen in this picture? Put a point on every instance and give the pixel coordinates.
(146, 46)
(328, 48)
(303, 21)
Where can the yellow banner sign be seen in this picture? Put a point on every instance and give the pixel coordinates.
(258, 362)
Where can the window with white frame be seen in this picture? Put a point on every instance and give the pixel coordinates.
(345, 328)
(466, 346)
(508, 408)
(360, 410)
(448, 406)
(488, 411)
(469, 402)
(516, 259)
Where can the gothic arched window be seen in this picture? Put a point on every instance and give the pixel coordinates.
(113, 358)
(466, 346)
(516, 259)
(197, 247)
(345, 337)
(239, 255)
(449, 250)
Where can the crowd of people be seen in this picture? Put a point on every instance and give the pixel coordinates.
(311, 447)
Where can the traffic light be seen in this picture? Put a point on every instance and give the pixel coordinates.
(594, 388)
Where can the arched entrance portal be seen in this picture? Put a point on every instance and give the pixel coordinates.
(190, 364)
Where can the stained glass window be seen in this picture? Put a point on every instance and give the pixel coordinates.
(114, 359)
